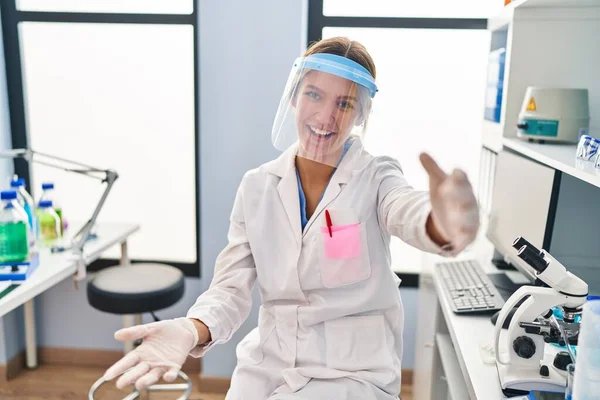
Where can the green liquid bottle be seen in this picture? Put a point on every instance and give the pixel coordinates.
(14, 228)
(26, 201)
(48, 194)
(49, 223)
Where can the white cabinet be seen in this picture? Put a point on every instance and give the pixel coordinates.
(437, 374)
(425, 343)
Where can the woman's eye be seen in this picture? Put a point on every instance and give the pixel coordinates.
(313, 95)
(345, 105)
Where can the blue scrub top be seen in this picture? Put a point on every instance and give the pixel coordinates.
(303, 218)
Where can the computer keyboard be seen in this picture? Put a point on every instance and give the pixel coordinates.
(468, 288)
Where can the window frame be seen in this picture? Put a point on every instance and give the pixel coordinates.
(12, 16)
(317, 21)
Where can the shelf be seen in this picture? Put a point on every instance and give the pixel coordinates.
(454, 377)
(502, 17)
(557, 156)
(552, 3)
(491, 135)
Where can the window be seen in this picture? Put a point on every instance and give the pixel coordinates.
(114, 91)
(421, 9)
(109, 6)
(431, 82)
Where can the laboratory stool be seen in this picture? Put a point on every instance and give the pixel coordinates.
(132, 290)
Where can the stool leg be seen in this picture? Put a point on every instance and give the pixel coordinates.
(124, 253)
(30, 346)
(128, 321)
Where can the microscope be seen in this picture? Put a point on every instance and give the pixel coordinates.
(529, 360)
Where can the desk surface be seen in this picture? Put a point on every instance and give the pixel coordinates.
(53, 268)
(468, 332)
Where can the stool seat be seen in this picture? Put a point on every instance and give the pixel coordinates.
(135, 288)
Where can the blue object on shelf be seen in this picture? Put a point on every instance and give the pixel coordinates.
(19, 271)
(495, 85)
(496, 62)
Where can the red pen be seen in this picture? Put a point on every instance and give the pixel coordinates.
(329, 224)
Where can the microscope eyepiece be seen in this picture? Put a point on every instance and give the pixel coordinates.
(520, 241)
(533, 258)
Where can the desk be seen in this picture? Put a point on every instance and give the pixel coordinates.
(448, 364)
(54, 268)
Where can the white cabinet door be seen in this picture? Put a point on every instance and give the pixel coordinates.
(425, 344)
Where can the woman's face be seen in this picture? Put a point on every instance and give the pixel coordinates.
(326, 109)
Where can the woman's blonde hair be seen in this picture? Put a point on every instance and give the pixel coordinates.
(342, 46)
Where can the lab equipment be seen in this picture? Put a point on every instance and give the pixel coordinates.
(532, 362)
(554, 114)
(495, 84)
(326, 99)
(536, 396)
(570, 381)
(16, 271)
(587, 148)
(14, 240)
(26, 201)
(597, 162)
(104, 175)
(506, 323)
(587, 367)
(49, 194)
(49, 222)
(467, 288)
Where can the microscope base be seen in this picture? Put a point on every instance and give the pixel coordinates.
(515, 377)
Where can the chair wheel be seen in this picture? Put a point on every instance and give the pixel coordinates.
(186, 387)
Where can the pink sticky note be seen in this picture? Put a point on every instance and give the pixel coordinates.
(344, 242)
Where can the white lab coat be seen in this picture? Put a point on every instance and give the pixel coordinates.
(328, 328)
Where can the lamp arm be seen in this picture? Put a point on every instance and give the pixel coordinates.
(107, 176)
(82, 235)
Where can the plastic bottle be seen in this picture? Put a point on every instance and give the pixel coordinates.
(586, 385)
(26, 201)
(14, 240)
(49, 222)
(49, 194)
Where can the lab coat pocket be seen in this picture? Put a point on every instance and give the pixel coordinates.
(250, 349)
(358, 343)
(344, 255)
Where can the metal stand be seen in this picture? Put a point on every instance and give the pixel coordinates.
(187, 387)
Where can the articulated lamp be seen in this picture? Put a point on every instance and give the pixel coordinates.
(104, 175)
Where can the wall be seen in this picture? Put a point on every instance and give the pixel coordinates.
(240, 86)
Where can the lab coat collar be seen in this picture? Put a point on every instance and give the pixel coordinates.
(284, 167)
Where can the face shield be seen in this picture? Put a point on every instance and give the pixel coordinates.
(326, 101)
